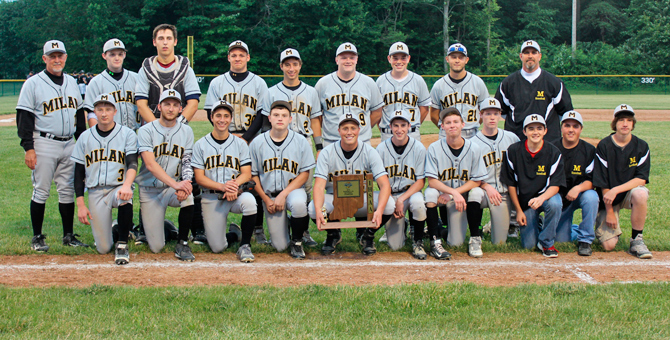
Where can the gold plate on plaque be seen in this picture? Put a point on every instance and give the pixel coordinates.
(348, 189)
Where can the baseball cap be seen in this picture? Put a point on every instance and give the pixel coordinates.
(52, 46)
(457, 48)
(530, 43)
(624, 108)
(534, 118)
(170, 93)
(572, 114)
(348, 117)
(401, 114)
(105, 98)
(490, 103)
(224, 104)
(346, 47)
(398, 47)
(281, 103)
(238, 44)
(113, 44)
(288, 53)
(449, 111)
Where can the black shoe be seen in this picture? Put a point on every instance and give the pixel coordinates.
(38, 243)
(71, 240)
(307, 240)
(297, 252)
(332, 240)
(200, 238)
(139, 235)
(183, 252)
(121, 255)
(368, 246)
(584, 249)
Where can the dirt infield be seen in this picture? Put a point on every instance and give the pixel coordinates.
(280, 270)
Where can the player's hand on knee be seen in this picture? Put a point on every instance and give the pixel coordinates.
(231, 196)
(535, 202)
(611, 220)
(460, 203)
(572, 194)
(184, 186)
(31, 159)
(443, 199)
(83, 214)
(231, 186)
(520, 218)
(181, 195)
(280, 202)
(494, 196)
(609, 197)
(124, 193)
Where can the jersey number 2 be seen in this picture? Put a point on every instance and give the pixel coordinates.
(472, 116)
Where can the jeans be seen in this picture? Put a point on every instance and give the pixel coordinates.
(531, 233)
(588, 202)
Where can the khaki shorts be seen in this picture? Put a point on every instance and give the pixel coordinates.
(603, 231)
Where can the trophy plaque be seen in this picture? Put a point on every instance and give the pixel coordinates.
(349, 195)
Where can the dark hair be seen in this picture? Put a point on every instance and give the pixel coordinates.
(621, 115)
(163, 27)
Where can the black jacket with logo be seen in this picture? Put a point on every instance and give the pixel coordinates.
(616, 165)
(578, 163)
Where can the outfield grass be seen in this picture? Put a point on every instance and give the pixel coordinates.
(15, 231)
(430, 311)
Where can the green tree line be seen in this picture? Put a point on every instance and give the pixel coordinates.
(614, 36)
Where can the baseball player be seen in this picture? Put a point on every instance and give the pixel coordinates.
(578, 160)
(106, 164)
(404, 159)
(306, 112)
(116, 82)
(533, 172)
(533, 90)
(47, 119)
(247, 93)
(492, 192)
(621, 173)
(281, 160)
(454, 166)
(347, 91)
(222, 165)
(402, 90)
(459, 89)
(165, 146)
(350, 156)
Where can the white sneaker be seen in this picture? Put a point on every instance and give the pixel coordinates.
(487, 228)
(384, 238)
(475, 247)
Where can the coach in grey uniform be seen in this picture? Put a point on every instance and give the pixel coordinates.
(106, 157)
(280, 164)
(402, 90)
(47, 119)
(165, 146)
(116, 82)
(492, 192)
(347, 91)
(459, 89)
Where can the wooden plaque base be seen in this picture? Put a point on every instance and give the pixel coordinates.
(349, 195)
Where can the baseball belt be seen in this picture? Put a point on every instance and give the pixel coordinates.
(54, 137)
(387, 130)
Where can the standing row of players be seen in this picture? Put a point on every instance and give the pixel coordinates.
(344, 96)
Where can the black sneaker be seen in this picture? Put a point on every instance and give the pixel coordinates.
(584, 249)
(121, 255)
(368, 246)
(550, 252)
(307, 240)
(297, 252)
(139, 235)
(38, 243)
(437, 251)
(183, 252)
(200, 238)
(332, 240)
(71, 240)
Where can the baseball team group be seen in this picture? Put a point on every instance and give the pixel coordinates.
(273, 152)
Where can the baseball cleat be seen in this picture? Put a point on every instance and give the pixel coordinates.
(332, 240)
(475, 247)
(584, 249)
(71, 240)
(638, 248)
(121, 255)
(235, 229)
(244, 254)
(139, 235)
(417, 250)
(368, 245)
(550, 252)
(307, 240)
(38, 243)
(513, 231)
(487, 228)
(183, 252)
(437, 251)
(259, 235)
(297, 252)
(200, 238)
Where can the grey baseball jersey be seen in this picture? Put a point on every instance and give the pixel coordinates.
(246, 97)
(123, 91)
(358, 96)
(409, 93)
(221, 162)
(332, 162)
(105, 157)
(305, 103)
(276, 166)
(493, 152)
(451, 170)
(178, 76)
(54, 106)
(405, 169)
(465, 96)
(169, 146)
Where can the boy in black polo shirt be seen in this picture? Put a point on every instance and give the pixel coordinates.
(533, 172)
(621, 172)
